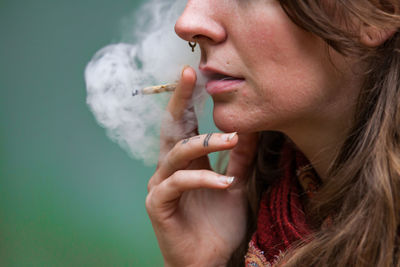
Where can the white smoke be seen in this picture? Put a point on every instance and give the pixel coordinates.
(154, 55)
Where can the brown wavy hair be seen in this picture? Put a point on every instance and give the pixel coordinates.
(362, 190)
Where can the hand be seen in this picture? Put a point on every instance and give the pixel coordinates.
(199, 216)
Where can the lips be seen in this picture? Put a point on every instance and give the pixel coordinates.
(220, 82)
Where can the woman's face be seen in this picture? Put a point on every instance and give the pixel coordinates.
(265, 73)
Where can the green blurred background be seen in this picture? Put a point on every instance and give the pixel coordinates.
(68, 195)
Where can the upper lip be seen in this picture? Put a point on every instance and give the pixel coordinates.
(216, 74)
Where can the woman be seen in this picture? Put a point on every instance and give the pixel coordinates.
(320, 77)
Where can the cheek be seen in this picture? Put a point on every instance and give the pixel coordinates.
(270, 35)
(290, 71)
(270, 44)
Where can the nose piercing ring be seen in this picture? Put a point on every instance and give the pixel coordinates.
(192, 45)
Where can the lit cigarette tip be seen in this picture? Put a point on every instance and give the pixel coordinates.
(155, 89)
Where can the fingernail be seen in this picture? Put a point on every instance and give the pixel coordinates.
(226, 180)
(184, 68)
(228, 137)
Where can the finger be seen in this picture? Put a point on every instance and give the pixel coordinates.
(241, 157)
(162, 199)
(190, 149)
(181, 99)
(180, 120)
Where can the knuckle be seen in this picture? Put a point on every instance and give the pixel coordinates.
(170, 160)
(149, 203)
(177, 178)
(152, 182)
(168, 142)
(174, 154)
(158, 165)
(197, 144)
(150, 185)
(176, 157)
(203, 175)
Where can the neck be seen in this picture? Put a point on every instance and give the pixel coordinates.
(321, 152)
(321, 134)
(321, 142)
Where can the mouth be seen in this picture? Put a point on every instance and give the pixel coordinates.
(219, 82)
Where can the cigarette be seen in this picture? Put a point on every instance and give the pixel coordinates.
(156, 89)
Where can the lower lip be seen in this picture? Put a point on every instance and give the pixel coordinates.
(222, 86)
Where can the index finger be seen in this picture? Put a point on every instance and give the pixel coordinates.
(180, 120)
(181, 98)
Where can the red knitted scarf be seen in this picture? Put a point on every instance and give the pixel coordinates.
(281, 219)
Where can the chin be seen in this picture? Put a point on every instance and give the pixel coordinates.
(225, 127)
(227, 121)
(224, 119)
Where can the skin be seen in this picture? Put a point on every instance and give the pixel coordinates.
(293, 83)
(191, 207)
(290, 85)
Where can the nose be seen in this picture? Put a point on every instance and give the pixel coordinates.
(200, 23)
